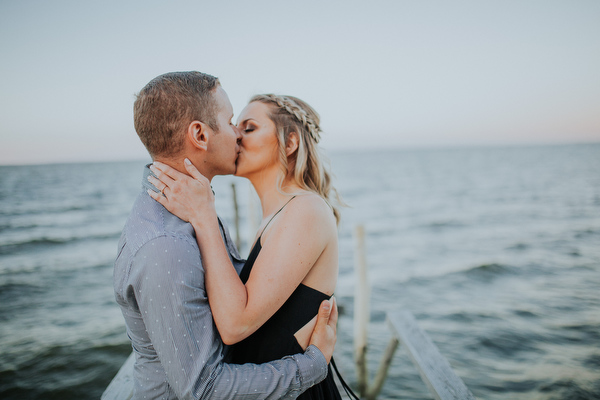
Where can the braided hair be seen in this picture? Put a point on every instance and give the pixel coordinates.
(306, 165)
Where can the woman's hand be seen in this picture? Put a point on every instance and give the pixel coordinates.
(189, 197)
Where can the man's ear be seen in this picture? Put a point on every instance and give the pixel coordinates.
(292, 144)
(197, 134)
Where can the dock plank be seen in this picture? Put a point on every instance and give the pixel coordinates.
(121, 387)
(434, 369)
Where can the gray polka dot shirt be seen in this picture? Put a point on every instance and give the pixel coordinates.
(159, 286)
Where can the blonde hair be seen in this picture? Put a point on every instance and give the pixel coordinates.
(307, 169)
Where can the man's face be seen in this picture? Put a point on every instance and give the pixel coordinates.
(223, 146)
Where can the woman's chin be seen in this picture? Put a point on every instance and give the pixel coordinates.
(239, 172)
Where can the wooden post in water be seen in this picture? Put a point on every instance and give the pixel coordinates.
(377, 385)
(361, 322)
(361, 310)
(254, 216)
(236, 215)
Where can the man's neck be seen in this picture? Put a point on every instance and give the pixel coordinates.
(178, 164)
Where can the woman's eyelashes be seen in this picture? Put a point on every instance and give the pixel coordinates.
(249, 128)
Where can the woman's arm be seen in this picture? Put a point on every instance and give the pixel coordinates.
(293, 246)
(295, 243)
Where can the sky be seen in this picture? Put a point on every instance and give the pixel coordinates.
(382, 74)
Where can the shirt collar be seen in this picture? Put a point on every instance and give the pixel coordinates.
(145, 183)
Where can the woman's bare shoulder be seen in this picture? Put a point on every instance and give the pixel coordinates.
(312, 207)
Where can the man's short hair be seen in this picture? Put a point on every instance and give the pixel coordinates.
(166, 106)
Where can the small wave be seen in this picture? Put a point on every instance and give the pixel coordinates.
(72, 372)
(525, 314)
(585, 233)
(444, 224)
(510, 344)
(40, 241)
(122, 348)
(592, 361)
(45, 241)
(16, 297)
(571, 389)
(469, 317)
(37, 210)
(10, 289)
(488, 272)
(581, 333)
(510, 386)
(518, 247)
(483, 272)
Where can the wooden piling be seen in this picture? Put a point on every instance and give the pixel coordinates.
(361, 310)
(375, 388)
(236, 216)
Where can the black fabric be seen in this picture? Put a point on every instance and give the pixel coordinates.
(275, 339)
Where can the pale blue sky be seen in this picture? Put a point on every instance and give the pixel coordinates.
(382, 74)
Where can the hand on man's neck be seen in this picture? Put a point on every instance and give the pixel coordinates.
(177, 163)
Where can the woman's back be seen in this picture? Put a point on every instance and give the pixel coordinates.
(275, 339)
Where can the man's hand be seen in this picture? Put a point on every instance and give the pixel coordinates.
(324, 334)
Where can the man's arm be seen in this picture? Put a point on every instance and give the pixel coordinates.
(323, 337)
(168, 280)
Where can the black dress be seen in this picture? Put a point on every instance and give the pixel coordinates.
(275, 339)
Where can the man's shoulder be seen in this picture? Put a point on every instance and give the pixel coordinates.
(152, 239)
(150, 222)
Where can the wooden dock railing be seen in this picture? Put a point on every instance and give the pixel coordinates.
(121, 387)
(434, 369)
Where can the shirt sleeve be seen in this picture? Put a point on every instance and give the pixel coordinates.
(168, 280)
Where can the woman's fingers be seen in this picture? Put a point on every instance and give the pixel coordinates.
(162, 175)
(158, 197)
(169, 175)
(168, 171)
(188, 197)
(193, 171)
(157, 183)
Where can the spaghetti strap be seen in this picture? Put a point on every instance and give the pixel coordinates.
(274, 215)
(347, 389)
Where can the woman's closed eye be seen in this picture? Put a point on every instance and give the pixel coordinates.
(249, 128)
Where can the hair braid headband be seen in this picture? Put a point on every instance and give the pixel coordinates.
(294, 109)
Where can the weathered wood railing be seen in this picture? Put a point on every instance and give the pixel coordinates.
(121, 387)
(434, 369)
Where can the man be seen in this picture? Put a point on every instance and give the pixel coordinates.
(159, 279)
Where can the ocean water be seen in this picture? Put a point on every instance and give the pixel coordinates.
(496, 251)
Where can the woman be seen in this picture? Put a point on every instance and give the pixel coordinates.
(268, 311)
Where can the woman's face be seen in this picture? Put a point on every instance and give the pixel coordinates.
(258, 148)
